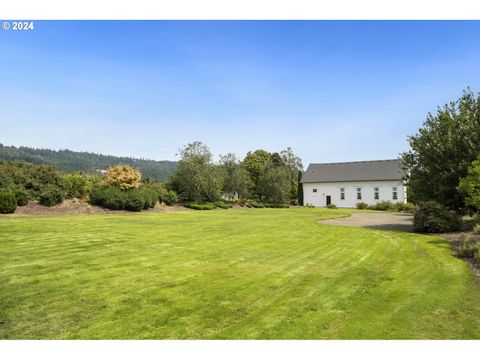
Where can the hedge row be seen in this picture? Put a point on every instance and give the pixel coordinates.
(256, 204)
(386, 205)
(114, 198)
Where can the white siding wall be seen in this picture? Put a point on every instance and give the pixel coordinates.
(333, 189)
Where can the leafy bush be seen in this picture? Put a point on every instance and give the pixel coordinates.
(168, 197)
(254, 204)
(22, 197)
(331, 206)
(242, 202)
(469, 247)
(8, 203)
(147, 195)
(383, 205)
(134, 202)
(110, 197)
(123, 176)
(308, 205)
(114, 198)
(476, 229)
(276, 206)
(51, 195)
(433, 217)
(222, 205)
(77, 185)
(258, 205)
(196, 206)
(404, 207)
(476, 257)
(24, 176)
(361, 205)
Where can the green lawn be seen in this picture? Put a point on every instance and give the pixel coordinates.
(229, 274)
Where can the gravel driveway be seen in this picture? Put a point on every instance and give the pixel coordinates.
(380, 220)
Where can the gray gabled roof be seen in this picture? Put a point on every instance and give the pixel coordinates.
(354, 171)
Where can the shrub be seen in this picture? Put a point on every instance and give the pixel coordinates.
(77, 185)
(168, 197)
(29, 177)
(476, 229)
(433, 217)
(383, 205)
(134, 202)
(22, 197)
(196, 206)
(110, 197)
(222, 205)
(476, 257)
(123, 176)
(146, 194)
(308, 205)
(331, 206)
(469, 247)
(361, 205)
(51, 195)
(254, 204)
(276, 206)
(242, 202)
(8, 203)
(402, 207)
(114, 198)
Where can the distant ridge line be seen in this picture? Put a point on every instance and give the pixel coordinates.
(69, 161)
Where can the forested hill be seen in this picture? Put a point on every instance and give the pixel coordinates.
(69, 161)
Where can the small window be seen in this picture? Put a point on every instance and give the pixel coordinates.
(359, 193)
(314, 190)
(376, 193)
(394, 193)
(342, 193)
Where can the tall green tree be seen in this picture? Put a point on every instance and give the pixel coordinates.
(442, 151)
(255, 163)
(294, 166)
(197, 178)
(469, 186)
(235, 177)
(274, 184)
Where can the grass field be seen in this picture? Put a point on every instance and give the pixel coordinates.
(230, 274)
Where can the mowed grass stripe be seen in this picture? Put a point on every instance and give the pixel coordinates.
(257, 273)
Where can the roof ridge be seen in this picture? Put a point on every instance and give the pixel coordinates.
(353, 162)
(354, 171)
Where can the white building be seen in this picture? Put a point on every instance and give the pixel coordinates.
(346, 184)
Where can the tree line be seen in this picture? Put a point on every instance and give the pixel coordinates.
(263, 176)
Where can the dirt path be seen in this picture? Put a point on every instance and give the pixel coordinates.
(380, 220)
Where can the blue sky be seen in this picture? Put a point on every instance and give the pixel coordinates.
(332, 90)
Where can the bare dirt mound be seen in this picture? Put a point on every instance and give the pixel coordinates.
(76, 206)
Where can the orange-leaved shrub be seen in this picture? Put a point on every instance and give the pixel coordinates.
(123, 176)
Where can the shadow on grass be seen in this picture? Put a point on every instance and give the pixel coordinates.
(399, 227)
(440, 243)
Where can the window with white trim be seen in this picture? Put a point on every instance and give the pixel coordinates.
(394, 193)
(314, 190)
(359, 193)
(376, 193)
(342, 193)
